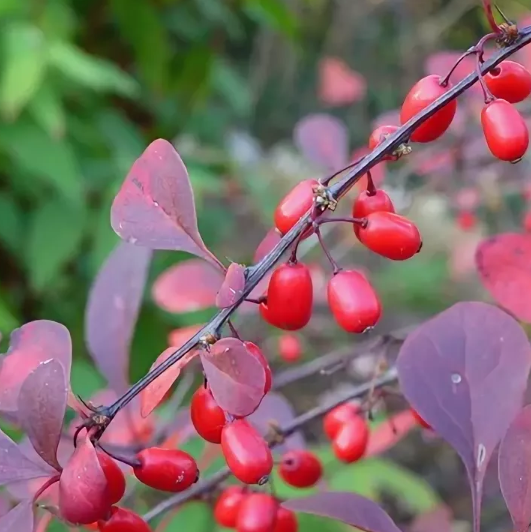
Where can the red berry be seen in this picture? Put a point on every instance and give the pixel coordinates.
(289, 347)
(123, 520)
(258, 513)
(505, 131)
(391, 235)
(257, 352)
(422, 94)
(114, 475)
(351, 440)
(420, 420)
(366, 204)
(466, 220)
(166, 469)
(301, 469)
(286, 521)
(379, 135)
(228, 506)
(295, 205)
(509, 81)
(246, 452)
(337, 417)
(207, 416)
(353, 301)
(289, 297)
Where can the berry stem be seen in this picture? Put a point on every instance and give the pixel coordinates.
(50, 482)
(371, 188)
(335, 266)
(487, 7)
(233, 330)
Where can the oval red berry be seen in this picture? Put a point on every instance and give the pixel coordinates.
(228, 506)
(351, 440)
(295, 205)
(509, 81)
(300, 468)
(337, 417)
(207, 417)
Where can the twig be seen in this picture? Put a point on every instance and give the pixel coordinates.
(287, 430)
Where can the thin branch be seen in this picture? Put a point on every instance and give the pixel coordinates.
(104, 416)
(287, 430)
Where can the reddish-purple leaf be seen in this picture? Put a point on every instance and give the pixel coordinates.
(41, 408)
(275, 407)
(83, 496)
(14, 465)
(4, 505)
(503, 262)
(323, 139)
(465, 372)
(187, 286)
(30, 345)
(514, 469)
(338, 83)
(236, 377)
(269, 241)
(390, 432)
(232, 288)
(437, 520)
(154, 393)
(346, 507)
(155, 207)
(180, 336)
(112, 310)
(19, 519)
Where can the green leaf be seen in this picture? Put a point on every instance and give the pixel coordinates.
(47, 110)
(11, 226)
(196, 516)
(274, 14)
(91, 71)
(23, 68)
(51, 160)
(8, 320)
(232, 86)
(55, 234)
(85, 379)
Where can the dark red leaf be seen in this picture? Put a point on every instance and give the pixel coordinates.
(514, 469)
(19, 519)
(83, 496)
(323, 139)
(180, 336)
(348, 508)
(390, 432)
(188, 286)
(155, 207)
(112, 311)
(465, 372)
(275, 407)
(437, 520)
(41, 407)
(236, 378)
(338, 83)
(30, 345)
(269, 241)
(155, 392)
(232, 288)
(503, 262)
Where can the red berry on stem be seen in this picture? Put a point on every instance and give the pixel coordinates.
(337, 417)
(114, 475)
(391, 235)
(246, 452)
(466, 220)
(166, 469)
(207, 416)
(420, 420)
(286, 521)
(353, 301)
(289, 297)
(300, 468)
(509, 81)
(505, 131)
(351, 440)
(422, 94)
(228, 506)
(295, 205)
(257, 352)
(366, 204)
(258, 513)
(289, 347)
(123, 520)
(379, 135)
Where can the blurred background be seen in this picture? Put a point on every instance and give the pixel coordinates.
(85, 86)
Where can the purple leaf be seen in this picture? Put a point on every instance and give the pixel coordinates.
(437, 520)
(41, 407)
(232, 288)
(270, 240)
(4, 505)
(187, 286)
(465, 372)
(235, 377)
(514, 469)
(275, 407)
(19, 519)
(30, 345)
(323, 139)
(14, 465)
(348, 508)
(112, 310)
(155, 207)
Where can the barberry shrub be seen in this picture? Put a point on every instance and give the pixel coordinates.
(463, 373)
